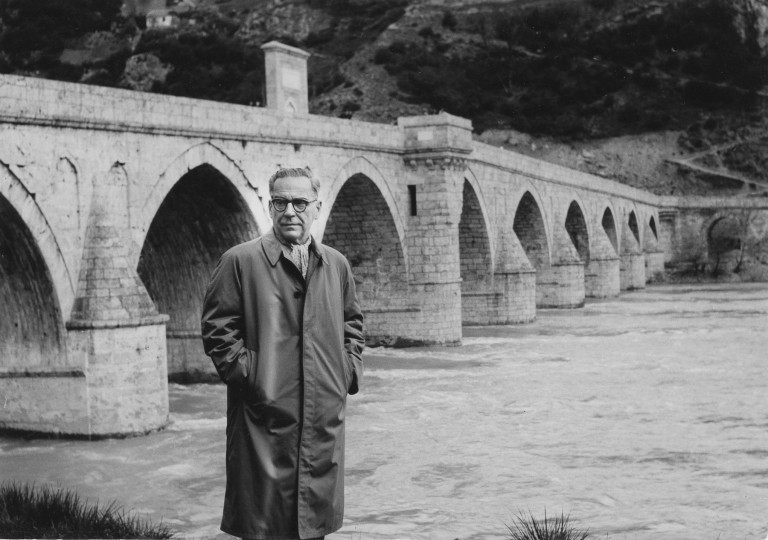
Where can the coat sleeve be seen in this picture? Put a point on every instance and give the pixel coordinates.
(353, 332)
(222, 323)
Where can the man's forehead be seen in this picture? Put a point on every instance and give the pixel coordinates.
(292, 184)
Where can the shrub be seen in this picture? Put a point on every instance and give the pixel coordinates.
(557, 528)
(40, 512)
(449, 20)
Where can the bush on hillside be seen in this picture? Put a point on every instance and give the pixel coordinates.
(207, 66)
(558, 76)
(33, 33)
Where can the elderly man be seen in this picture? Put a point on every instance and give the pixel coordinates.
(284, 329)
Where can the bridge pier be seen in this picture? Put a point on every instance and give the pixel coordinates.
(602, 274)
(632, 259)
(115, 331)
(512, 297)
(654, 255)
(562, 285)
(654, 265)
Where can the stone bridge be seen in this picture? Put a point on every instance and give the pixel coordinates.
(115, 205)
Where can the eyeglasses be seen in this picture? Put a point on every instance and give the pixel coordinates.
(298, 204)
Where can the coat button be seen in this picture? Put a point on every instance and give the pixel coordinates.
(297, 294)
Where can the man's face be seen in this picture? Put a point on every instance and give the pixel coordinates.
(290, 226)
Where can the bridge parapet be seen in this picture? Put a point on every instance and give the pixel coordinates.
(29, 101)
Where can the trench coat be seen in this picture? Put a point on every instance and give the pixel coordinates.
(289, 350)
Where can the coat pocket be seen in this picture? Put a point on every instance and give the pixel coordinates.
(347, 367)
(250, 384)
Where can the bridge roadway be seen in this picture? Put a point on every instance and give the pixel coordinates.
(115, 205)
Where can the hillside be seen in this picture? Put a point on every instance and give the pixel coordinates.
(669, 96)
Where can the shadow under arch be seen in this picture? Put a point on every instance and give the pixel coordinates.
(634, 227)
(475, 253)
(195, 156)
(202, 216)
(608, 223)
(355, 166)
(471, 178)
(577, 227)
(32, 332)
(361, 226)
(530, 227)
(724, 236)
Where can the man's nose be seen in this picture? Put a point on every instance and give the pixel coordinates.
(289, 209)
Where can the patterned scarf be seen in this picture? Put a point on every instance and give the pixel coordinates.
(300, 257)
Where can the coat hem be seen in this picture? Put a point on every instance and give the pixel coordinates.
(266, 536)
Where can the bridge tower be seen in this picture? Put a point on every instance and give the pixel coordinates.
(286, 78)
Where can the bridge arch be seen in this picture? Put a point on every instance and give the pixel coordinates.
(367, 234)
(356, 166)
(476, 254)
(578, 228)
(724, 236)
(610, 227)
(532, 230)
(633, 223)
(196, 156)
(201, 216)
(34, 282)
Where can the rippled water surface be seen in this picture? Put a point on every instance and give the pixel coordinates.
(644, 417)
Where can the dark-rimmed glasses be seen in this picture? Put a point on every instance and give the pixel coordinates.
(299, 205)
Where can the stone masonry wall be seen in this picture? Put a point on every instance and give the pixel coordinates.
(474, 245)
(360, 226)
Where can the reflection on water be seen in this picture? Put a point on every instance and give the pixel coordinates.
(643, 417)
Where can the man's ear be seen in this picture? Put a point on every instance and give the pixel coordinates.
(319, 206)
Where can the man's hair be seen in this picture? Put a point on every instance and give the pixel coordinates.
(295, 172)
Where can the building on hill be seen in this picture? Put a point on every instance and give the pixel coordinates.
(142, 7)
(162, 18)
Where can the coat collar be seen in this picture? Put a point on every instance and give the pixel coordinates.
(273, 248)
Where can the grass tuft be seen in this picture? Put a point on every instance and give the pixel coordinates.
(29, 511)
(527, 527)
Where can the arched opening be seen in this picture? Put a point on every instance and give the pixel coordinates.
(633, 226)
(724, 244)
(474, 246)
(201, 217)
(360, 225)
(652, 226)
(609, 226)
(530, 230)
(30, 320)
(576, 226)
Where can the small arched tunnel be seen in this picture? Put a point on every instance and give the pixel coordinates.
(474, 246)
(724, 243)
(200, 218)
(360, 225)
(576, 226)
(30, 320)
(609, 226)
(530, 230)
(634, 227)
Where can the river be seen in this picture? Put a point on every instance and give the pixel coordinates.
(643, 417)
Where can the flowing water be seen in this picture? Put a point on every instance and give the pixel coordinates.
(643, 417)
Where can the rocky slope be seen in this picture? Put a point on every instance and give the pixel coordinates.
(669, 96)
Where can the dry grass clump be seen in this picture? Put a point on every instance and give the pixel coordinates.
(29, 511)
(527, 527)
